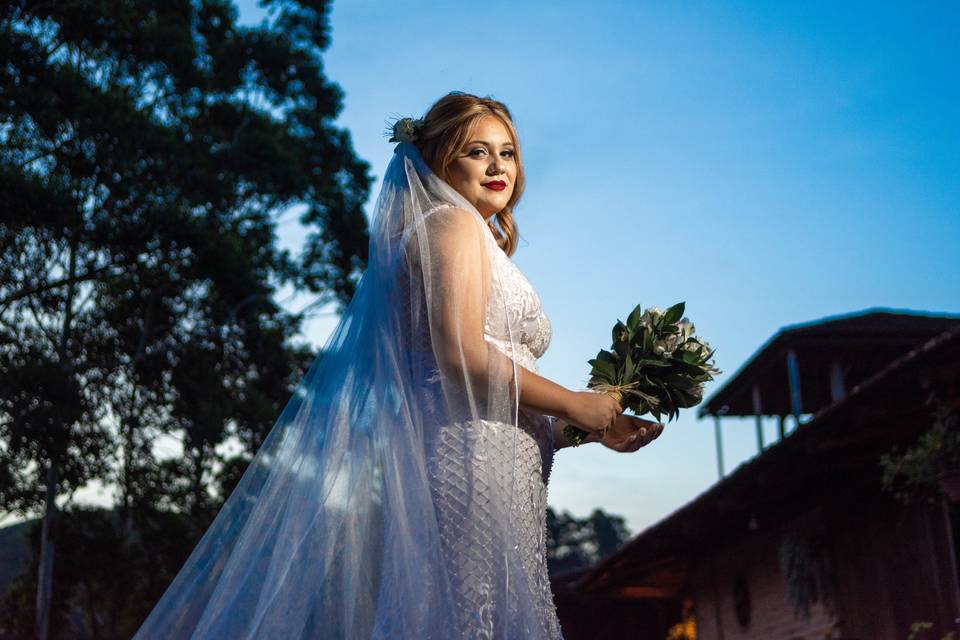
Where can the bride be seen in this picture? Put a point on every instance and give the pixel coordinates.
(402, 491)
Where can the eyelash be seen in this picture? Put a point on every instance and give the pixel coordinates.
(481, 149)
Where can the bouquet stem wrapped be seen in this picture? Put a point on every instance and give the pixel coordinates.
(655, 365)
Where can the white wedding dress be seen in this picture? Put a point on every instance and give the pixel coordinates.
(471, 492)
(390, 501)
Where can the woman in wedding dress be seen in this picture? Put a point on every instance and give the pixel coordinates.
(402, 491)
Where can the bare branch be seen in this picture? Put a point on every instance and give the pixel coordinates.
(24, 293)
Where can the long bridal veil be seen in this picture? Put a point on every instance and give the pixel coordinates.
(333, 531)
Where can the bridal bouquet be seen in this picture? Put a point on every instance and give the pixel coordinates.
(654, 365)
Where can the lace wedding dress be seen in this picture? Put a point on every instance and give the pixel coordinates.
(391, 500)
(505, 465)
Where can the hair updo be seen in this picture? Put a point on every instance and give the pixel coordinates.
(446, 128)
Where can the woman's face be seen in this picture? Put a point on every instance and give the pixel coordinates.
(485, 169)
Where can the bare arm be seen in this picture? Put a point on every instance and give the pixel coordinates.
(452, 256)
(591, 411)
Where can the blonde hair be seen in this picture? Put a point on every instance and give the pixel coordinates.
(446, 128)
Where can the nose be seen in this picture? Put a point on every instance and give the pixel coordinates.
(496, 166)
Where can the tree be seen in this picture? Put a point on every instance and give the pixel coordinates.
(147, 151)
(918, 471)
(573, 543)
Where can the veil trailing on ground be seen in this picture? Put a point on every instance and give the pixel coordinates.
(333, 531)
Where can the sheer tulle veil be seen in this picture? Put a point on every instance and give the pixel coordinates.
(332, 532)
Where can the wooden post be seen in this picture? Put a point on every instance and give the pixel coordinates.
(716, 430)
(793, 377)
(837, 386)
(758, 412)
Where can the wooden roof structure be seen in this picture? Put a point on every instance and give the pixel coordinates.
(807, 366)
(838, 447)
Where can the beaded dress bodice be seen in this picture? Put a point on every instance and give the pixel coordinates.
(469, 491)
(523, 304)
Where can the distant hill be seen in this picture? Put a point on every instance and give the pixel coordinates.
(14, 552)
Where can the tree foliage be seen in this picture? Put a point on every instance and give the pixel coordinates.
(912, 473)
(147, 153)
(579, 542)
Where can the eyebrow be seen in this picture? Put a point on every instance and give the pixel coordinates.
(488, 144)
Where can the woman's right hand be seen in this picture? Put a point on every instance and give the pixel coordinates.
(592, 411)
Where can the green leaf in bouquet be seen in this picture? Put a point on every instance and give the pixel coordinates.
(669, 327)
(674, 313)
(608, 356)
(680, 382)
(656, 389)
(629, 370)
(633, 320)
(667, 394)
(652, 362)
(671, 408)
(598, 379)
(686, 400)
(618, 333)
(687, 368)
(656, 385)
(703, 379)
(605, 369)
(621, 349)
(668, 411)
(658, 392)
(648, 340)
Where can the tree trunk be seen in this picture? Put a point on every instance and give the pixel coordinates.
(45, 572)
(198, 489)
(47, 548)
(127, 486)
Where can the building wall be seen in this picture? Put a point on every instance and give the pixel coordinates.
(897, 568)
(756, 558)
(881, 568)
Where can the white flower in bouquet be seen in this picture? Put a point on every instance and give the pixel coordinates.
(666, 345)
(650, 317)
(704, 346)
(692, 346)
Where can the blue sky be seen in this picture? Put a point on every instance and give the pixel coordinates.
(768, 163)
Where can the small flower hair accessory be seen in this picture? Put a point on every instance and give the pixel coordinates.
(405, 130)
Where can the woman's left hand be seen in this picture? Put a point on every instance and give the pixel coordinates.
(629, 433)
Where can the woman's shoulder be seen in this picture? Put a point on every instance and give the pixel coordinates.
(445, 215)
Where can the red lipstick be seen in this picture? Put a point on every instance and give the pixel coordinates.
(496, 185)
